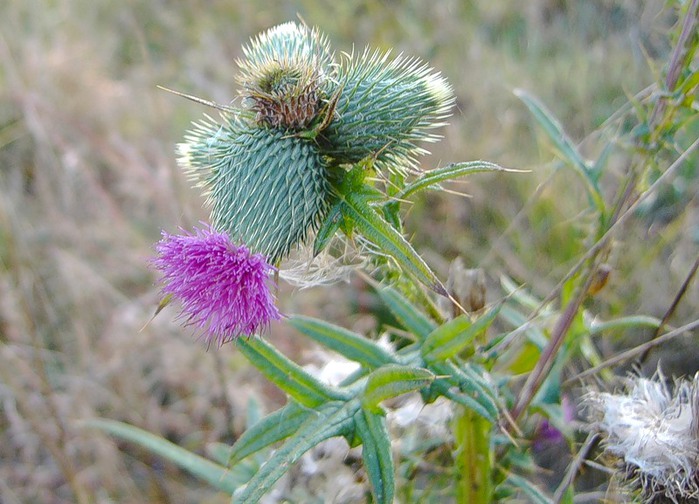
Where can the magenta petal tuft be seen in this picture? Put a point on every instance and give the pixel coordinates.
(223, 287)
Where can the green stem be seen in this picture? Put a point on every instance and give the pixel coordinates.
(473, 458)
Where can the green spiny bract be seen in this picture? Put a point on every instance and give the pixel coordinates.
(285, 76)
(267, 189)
(385, 106)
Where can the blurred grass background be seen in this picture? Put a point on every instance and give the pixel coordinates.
(88, 179)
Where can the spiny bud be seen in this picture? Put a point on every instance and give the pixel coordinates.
(267, 189)
(284, 76)
(384, 108)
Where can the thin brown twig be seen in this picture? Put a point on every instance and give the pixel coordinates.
(673, 307)
(633, 352)
(545, 363)
(574, 467)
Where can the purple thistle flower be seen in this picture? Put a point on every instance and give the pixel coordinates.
(223, 287)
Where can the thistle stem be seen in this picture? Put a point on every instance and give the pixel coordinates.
(473, 458)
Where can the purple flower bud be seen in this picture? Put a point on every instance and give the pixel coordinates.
(223, 287)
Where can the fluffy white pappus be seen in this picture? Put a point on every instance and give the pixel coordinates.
(334, 369)
(656, 433)
(304, 270)
(431, 420)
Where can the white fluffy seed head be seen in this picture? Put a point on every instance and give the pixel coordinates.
(655, 432)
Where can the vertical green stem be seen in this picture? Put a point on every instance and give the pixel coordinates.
(473, 458)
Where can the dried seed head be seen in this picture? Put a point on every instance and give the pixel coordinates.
(655, 433)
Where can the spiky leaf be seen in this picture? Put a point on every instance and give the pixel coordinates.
(286, 374)
(273, 428)
(376, 454)
(348, 344)
(391, 381)
(472, 384)
(455, 336)
(412, 319)
(450, 172)
(330, 420)
(374, 228)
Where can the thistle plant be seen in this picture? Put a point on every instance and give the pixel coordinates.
(321, 150)
(318, 149)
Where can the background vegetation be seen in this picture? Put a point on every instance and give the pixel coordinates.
(88, 178)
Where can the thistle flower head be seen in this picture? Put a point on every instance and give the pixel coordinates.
(223, 288)
(656, 435)
(284, 76)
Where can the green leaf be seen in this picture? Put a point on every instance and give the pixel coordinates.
(444, 388)
(390, 211)
(219, 452)
(376, 453)
(444, 334)
(634, 321)
(478, 394)
(454, 336)
(218, 476)
(269, 430)
(600, 163)
(407, 314)
(521, 323)
(348, 344)
(331, 223)
(377, 230)
(285, 374)
(528, 489)
(330, 420)
(391, 381)
(567, 150)
(449, 172)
